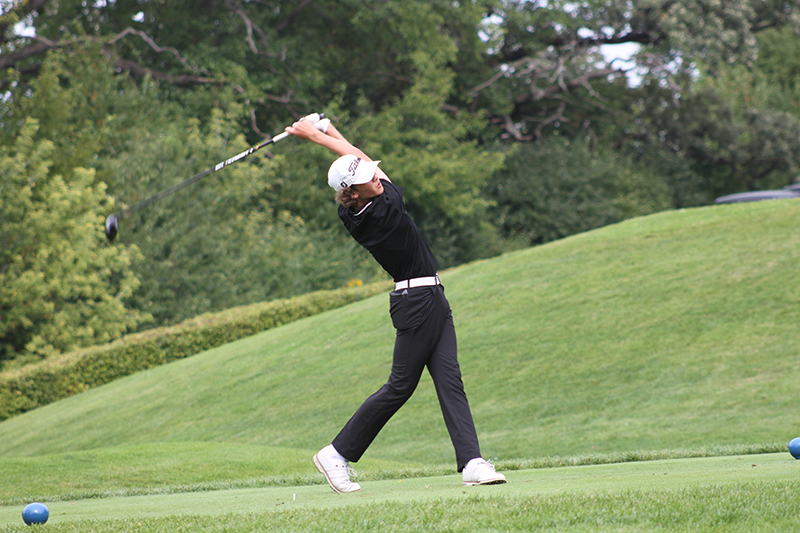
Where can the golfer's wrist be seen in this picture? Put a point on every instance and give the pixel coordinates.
(313, 136)
(333, 132)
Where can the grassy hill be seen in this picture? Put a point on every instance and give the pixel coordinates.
(675, 330)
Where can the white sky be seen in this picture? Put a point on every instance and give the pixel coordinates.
(621, 55)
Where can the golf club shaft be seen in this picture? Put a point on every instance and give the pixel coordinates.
(315, 118)
(166, 192)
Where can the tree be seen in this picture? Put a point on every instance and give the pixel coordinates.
(557, 187)
(544, 71)
(534, 66)
(61, 286)
(777, 82)
(735, 128)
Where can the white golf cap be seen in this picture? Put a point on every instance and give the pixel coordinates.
(350, 170)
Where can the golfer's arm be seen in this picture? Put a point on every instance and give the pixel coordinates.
(336, 143)
(332, 140)
(337, 136)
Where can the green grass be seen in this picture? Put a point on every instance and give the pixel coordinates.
(168, 468)
(200, 467)
(738, 493)
(673, 332)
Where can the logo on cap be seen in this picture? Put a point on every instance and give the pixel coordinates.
(353, 166)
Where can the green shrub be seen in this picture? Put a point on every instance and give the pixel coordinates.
(36, 385)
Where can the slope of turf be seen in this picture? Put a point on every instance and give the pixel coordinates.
(673, 330)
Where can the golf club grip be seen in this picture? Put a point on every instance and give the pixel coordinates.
(278, 137)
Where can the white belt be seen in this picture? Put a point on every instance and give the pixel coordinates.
(428, 281)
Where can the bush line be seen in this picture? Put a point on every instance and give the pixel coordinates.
(42, 383)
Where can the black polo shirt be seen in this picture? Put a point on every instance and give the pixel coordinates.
(384, 228)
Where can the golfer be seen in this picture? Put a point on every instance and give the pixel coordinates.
(372, 209)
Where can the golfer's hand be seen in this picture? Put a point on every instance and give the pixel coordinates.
(304, 129)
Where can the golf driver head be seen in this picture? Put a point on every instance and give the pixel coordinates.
(111, 227)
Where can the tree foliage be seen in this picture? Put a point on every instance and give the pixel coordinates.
(544, 71)
(734, 130)
(558, 188)
(61, 287)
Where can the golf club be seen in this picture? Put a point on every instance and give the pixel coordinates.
(112, 222)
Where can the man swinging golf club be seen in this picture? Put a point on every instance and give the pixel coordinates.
(372, 209)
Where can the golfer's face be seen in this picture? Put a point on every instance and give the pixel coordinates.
(371, 189)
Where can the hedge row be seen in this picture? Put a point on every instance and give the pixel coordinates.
(39, 384)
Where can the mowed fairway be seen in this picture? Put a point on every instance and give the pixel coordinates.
(673, 333)
(678, 494)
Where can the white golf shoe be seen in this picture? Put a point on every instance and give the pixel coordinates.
(479, 471)
(336, 470)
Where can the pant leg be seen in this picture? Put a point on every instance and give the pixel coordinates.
(446, 373)
(418, 318)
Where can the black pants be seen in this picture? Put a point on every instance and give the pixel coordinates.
(425, 337)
